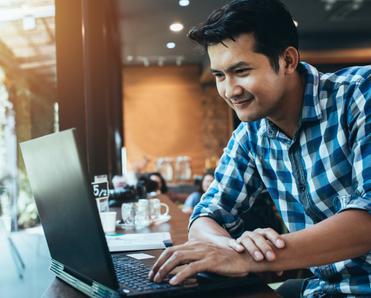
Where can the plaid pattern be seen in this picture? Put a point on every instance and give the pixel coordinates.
(325, 169)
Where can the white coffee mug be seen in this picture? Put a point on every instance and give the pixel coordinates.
(108, 220)
(155, 209)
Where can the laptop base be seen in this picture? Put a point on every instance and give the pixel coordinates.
(94, 290)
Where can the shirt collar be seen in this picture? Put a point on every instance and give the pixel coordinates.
(311, 110)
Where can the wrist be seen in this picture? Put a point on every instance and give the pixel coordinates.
(219, 240)
(258, 266)
(206, 229)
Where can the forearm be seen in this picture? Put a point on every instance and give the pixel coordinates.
(207, 229)
(343, 236)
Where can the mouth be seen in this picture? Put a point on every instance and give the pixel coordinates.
(239, 104)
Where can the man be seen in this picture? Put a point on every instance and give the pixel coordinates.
(305, 138)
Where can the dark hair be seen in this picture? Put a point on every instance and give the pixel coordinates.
(150, 185)
(268, 20)
(164, 188)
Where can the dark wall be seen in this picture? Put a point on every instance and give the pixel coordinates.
(334, 67)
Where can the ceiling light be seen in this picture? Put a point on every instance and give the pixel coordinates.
(179, 60)
(161, 61)
(183, 2)
(171, 45)
(176, 27)
(29, 22)
(146, 61)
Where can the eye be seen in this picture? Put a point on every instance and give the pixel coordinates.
(218, 75)
(242, 71)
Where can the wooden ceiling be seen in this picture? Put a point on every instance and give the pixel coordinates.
(322, 25)
(27, 29)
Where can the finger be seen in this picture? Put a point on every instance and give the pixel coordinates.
(244, 234)
(273, 236)
(189, 271)
(235, 244)
(252, 249)
(162, 259)
(166, 254)
(263, 245)
(176, 259)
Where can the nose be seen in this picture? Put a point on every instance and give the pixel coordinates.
(232, 89)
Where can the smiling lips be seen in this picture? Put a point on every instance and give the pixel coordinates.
(241, 103)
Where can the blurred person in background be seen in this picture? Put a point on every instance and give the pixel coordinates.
(194, 198)
(157, 177)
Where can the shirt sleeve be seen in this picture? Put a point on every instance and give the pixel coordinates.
(192, 200)
(359, 123)
(235, 187)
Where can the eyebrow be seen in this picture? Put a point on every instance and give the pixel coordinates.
(232, 67)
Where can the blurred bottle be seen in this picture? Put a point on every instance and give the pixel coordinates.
(183, 168)
(164, 165)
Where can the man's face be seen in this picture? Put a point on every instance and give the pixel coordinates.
(246, 80)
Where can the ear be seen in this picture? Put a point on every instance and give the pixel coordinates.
(291, 58)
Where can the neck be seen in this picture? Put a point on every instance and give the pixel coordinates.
(291, 106)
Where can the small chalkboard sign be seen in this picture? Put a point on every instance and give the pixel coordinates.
(100, 191)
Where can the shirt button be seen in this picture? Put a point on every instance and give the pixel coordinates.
(302, 187)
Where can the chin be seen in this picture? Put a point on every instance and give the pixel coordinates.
(248, 117)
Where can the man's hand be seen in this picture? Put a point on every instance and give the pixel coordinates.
(258, 244)
(200, 256)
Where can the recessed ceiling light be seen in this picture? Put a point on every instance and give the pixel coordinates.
(183, 2)
(179, 60)
(176, 27)
(171, 45)
(296, 23)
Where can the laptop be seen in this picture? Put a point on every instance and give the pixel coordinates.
(79, 253)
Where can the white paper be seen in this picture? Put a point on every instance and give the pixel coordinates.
(140, 256)
(142, 241)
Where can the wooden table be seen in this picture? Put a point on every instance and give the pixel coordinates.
(177, 227)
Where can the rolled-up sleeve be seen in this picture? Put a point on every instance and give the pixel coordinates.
(359, 123)
(235, 187)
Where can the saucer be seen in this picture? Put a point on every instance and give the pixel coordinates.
(161, 219)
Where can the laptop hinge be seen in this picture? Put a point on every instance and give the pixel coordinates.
(94, 290)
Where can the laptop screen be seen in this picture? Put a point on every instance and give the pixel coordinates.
(68, 212)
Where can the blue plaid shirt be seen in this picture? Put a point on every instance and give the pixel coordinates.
(323, 170)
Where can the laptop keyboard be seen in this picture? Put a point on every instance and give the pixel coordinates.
(133, 274)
